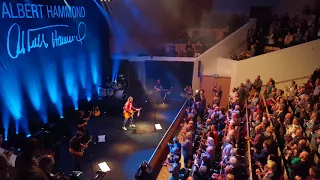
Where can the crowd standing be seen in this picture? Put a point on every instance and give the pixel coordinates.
(283, 126)
(282, 32)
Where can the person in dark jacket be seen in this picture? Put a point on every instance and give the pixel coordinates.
(144, 172)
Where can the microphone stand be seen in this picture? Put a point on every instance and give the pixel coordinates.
(90, 159)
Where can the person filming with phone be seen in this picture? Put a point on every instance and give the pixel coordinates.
(144, 172)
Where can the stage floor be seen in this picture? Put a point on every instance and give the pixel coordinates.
(123, 151)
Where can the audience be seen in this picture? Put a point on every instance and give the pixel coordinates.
(283, 32)
(283, 126)
(294, 117)
(209, 141)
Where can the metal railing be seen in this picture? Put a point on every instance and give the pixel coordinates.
(284, 166)
(248, 145)
(161, 151)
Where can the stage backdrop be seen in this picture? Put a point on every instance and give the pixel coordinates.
(50, 56)
(177, 74)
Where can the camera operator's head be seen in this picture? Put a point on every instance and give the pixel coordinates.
(46, 163)
(143, 166)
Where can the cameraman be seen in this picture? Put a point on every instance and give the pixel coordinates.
(144, 172)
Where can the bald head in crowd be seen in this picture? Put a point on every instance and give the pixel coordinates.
(46, 163)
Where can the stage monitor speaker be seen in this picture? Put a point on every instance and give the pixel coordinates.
(199, 68)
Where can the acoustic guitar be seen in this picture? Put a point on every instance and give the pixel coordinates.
(130, 114)
(96, 111)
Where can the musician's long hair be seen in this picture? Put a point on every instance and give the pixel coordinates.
(130, 97)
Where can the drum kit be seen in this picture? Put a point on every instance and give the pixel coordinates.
(114, 90)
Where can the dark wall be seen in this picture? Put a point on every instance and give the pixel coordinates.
(178, 74)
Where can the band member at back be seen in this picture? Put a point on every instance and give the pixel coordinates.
(158, 85)
(82, 125)
(128, 108)
(159, 94)
(75, 148)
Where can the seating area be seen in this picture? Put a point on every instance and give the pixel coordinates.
(282, 32)
(265, 133)
(194, 41)
(212, 143)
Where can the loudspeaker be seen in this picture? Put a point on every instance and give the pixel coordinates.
(199, 68)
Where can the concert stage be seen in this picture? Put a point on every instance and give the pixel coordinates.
(123, 151)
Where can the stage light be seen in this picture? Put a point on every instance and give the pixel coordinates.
(104, 167)
(17, 132)
(5, 122)
(76, 109)
(61, 117)
(197, 91)
(157, 126)
(89, 98)
(29, 135)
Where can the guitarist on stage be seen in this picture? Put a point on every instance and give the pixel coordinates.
(128, 109)
(82, 125)
(76, 148)
(158, 91)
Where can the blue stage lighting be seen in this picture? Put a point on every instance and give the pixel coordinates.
(61, 117)
(5, 122)
(11, 94)
(69, 76)
(17, 126)
(88, 90)
(71, 82)
(94, 67)
(29, 135)
(115, 68)
(51, 82)
(82, 72)
(88, 98)
(75, 97)
(34, 89)
(44, 117)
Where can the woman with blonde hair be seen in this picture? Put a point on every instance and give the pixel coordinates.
(268, 172)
